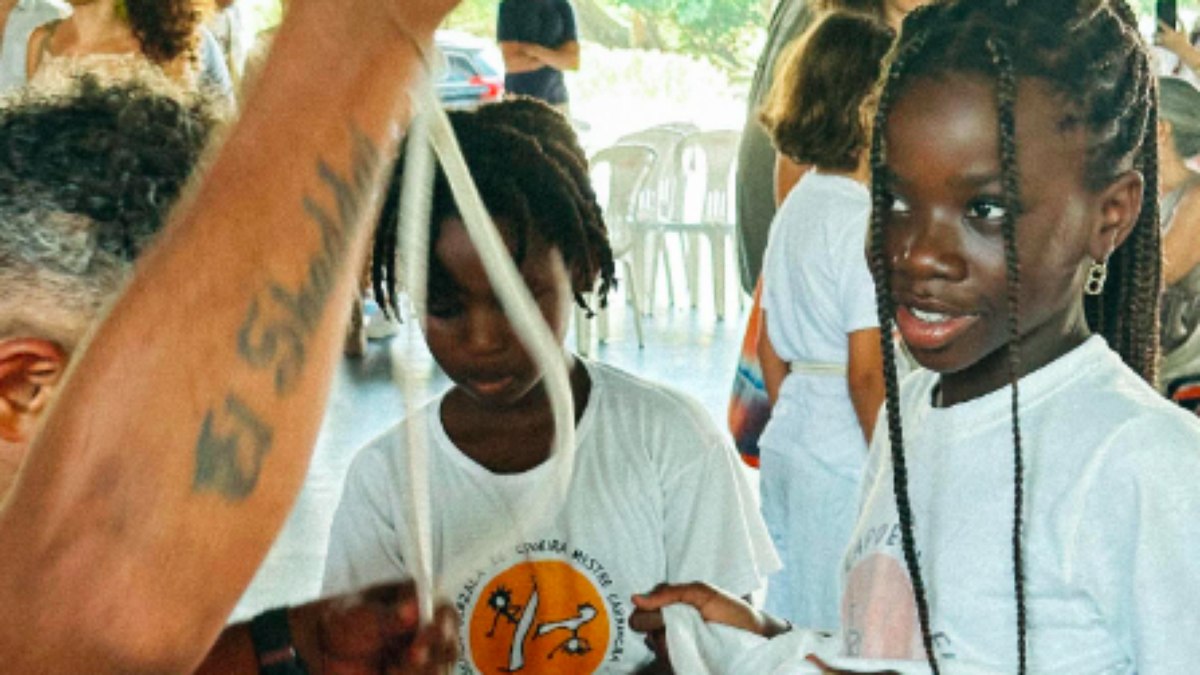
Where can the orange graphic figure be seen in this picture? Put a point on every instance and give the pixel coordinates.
(539, 617)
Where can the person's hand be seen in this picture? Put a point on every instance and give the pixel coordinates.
(714, 605)
(1175, 41)
(373, 632)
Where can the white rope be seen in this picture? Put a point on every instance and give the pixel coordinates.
(414, 208)
(524, 316)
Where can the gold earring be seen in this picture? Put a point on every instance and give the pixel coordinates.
(1097, 273)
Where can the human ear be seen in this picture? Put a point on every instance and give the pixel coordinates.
(30, 369)
(1120, 204)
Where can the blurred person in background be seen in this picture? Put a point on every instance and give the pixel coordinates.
(151, 40)
(538, 40)
(1179, 207)
(228, 25)
(819, 346)
(19, 19)
(763, 176)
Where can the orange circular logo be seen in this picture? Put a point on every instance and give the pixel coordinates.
(539, 617)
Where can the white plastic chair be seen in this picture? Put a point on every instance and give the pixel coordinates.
(619, 174)
(714, 220)
(656, 203)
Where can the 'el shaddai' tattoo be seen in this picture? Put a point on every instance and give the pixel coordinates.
(229, 458)
(279, 326)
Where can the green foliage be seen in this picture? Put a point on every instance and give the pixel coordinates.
(718, 30)
(474, 16)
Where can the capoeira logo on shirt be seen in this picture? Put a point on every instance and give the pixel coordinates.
(539, 617)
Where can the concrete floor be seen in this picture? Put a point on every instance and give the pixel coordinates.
(688, 349)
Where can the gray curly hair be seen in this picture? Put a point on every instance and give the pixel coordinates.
(1179, 104)
(55, 278)
(87, 178)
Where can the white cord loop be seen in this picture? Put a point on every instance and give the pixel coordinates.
(432, 129)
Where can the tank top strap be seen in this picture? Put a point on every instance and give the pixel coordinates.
(51, 28)
(44, 47)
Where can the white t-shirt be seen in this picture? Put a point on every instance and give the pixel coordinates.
(817, 289)
(657, 495)
(1112, 518)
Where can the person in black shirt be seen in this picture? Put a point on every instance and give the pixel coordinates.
(539, 41)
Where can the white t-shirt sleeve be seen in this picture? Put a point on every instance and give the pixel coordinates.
(364, 546)
(856, 288)
(713, 529)
(1136, 548)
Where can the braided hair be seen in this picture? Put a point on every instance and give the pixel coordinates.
(533, 178)
(1090, 53)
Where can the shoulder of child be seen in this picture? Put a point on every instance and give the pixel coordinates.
(661, 408)
(1156, 450)
(380, 457)
(655, 397)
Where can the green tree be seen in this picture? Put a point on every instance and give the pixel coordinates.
(719, 31)
(475, 16)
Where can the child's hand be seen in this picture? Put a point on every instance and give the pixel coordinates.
(714, 605)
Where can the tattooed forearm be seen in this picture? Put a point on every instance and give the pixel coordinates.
(279, 326)
(230, 452)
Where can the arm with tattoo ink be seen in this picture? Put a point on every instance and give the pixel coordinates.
(183, 433)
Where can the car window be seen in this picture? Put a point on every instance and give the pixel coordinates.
(458, 67)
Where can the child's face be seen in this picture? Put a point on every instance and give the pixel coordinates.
(945, 245)
(466, 328)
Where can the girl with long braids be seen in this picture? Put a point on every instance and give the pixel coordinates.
(1030, 503)
(656, 494)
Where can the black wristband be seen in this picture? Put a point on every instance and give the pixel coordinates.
(272, 638)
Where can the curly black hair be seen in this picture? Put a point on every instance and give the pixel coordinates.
(1090, 53)
(165, 29)
(533, 178)
(119, 156)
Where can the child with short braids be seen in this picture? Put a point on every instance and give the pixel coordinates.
(1030, 503)
(656, 494)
